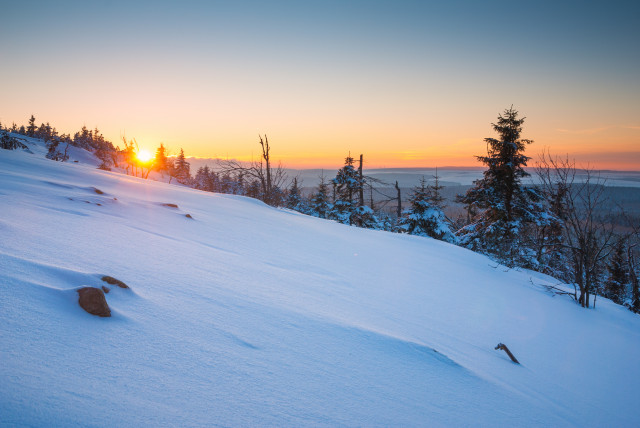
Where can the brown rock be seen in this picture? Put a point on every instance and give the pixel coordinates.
(105, 289)
(111, 280)
(93, 301)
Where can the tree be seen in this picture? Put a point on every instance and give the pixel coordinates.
(204, 179)
(347, 184)
(31, 128)
(320, 205)
(633, 267)
(616, 283)
(295, 201)
(160, 159)
(425, 218)
(9, 142)
(435, 192)
(271, 180)
(129, 154)
(53, 152)
(634, 305)
(504, 207)
(587, 236)
(182, 169)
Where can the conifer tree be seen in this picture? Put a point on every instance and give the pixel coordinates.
(634, 304)
(424, 217)
(182, 168)
(295, 201)
(435, 192)
(320, 205)
(615, 285)
(9, 142)
(347, 185)
(160, 159)
(505, 208)
(32, 128)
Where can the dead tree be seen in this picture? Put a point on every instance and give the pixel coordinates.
(399, 206)
(587, 237)
(361, 187)
(270, 179)
(505, 349)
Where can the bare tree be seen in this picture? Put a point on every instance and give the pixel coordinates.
(361, 188)
(399, 206)
(271, 179)
(587, 236)
(633, 264)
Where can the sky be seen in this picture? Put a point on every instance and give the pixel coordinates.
(406, 83)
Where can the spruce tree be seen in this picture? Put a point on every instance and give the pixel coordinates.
(9, 142)
(435, 192)
(182, 169)
(634, 304)
(32, 128)
(295, 201)
(424, 217)
(347, 185)
(320, 205)
(504, 207)
(160, 159)
(615, 285)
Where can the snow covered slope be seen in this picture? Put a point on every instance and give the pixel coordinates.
(248, 315)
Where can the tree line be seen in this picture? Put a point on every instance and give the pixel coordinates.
(555, 226)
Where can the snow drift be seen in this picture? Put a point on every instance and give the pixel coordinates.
(247, 315)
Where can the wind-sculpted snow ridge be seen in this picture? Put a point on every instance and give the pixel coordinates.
(251, 316)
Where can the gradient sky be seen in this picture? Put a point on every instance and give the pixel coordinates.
(406, 83)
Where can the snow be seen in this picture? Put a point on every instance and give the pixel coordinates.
(249, 315)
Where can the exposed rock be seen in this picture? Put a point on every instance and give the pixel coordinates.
(170, 205)
(188, 216)
(93, 301)
(105, 289)
(111, 280)
(98, 191)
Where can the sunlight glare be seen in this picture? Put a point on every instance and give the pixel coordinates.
(143, 156)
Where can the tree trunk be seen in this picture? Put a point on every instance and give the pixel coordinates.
(399, 208)
(265, 156)
(371, 196)
(361, 189)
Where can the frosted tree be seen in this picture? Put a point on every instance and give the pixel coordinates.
(182, 169)
(614, 287)
(31, 128)
(435, 192)
(320, 204)
(201, 179)
(294, 200)
(54, 154)
(503, 207)
(425, 217)
(347, 184)
(9, 142)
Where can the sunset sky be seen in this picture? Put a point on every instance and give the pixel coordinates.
(407, 83)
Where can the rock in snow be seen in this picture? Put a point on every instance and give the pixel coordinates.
(93, 301)
(255, 316)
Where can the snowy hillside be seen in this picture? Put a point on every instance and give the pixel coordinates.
(247, 315)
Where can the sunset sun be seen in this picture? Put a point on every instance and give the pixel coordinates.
(143, 156)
